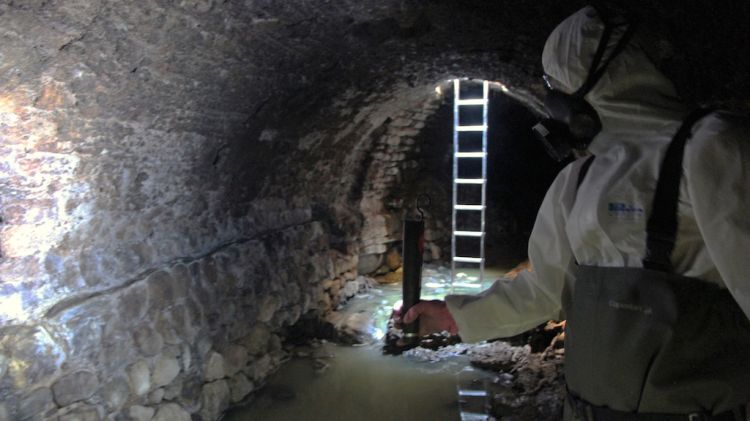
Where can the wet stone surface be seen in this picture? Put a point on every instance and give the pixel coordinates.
(75, 387)
(139, 377)
(115, 393)
(165, 370)
(35, 355)
(83, 414)
(171, 412)
(240, 386)
(38, 402)
(140, 413)
(215, 400)
(214, 368)
(148, 340)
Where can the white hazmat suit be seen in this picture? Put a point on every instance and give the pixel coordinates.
(605, 225)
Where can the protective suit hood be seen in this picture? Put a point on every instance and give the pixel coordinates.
(632, 97)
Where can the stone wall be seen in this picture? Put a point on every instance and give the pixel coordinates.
(200, 331)
(141, 272)
(190, 327)
(393, 154)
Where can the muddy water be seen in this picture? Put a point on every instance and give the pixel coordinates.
(331, 382)
(361, 384)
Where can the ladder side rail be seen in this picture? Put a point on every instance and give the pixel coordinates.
(456, 93)
(484, 176)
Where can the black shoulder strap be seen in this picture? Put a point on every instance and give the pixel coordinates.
(584, 170)
(661, 229)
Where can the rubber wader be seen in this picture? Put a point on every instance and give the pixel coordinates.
(644, 343)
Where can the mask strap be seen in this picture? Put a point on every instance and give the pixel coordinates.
(596, 71)
(603, 41)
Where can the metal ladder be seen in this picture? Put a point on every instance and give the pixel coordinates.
(459, 155)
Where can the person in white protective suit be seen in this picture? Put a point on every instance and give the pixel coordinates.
(661, 334)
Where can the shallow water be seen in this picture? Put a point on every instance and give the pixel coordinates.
(333, 382)
(361, 384)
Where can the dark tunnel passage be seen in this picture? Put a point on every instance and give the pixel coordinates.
(181, 183)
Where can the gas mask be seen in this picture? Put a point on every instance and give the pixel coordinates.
(572, 122)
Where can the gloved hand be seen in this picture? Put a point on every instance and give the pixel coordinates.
(433, 316)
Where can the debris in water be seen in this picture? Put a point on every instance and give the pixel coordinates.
(528, 368)
(320, 366)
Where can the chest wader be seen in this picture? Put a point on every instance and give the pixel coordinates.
(649, 344)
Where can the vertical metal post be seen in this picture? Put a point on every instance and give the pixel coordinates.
(413, 247)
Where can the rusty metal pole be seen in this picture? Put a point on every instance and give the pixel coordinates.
(413, 247)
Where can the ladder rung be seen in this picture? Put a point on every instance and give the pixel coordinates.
(474, 416)
(466, 392)
(469, 180)
(471, 101)
(471, 128)
(469, 207)
(468, 259)
(470, 154)
(468, 233)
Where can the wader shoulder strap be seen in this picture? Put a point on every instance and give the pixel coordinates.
(584, 169)
(661, 229)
